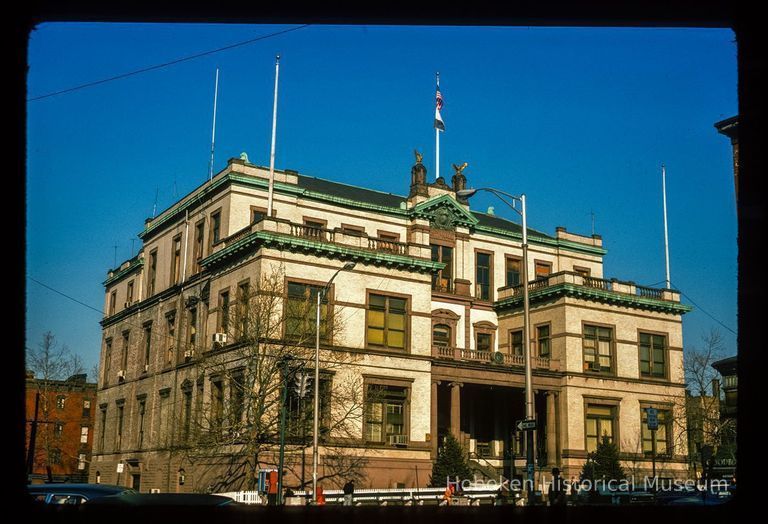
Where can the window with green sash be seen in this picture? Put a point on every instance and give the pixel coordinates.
(662, 432)
(597, 349)
(301, 312)
(600, 423)
(652, 355)
(387, 321)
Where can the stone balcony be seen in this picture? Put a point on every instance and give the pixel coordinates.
(493, 358)
(611, 291)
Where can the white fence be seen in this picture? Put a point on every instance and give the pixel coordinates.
(471, 496)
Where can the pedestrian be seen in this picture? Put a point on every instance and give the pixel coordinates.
(448, 494)
(556, 489)
(499, 499)
(349, 490)
(320, 496)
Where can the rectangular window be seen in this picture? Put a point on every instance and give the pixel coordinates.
(142, 412)
(86, 408)
(542, 340)
(662, 433)
(300, 408)
(199, 246)
(223, 319)
(103, 428)
(170, 340)
(652, 351)
(107, 359)
(192, 331)
(84, 435)
(484, 342)
(217, 403)
(119, 429)
(301, 312)
(597, 349)
(199, 403)
(600, 421)
(58, 430)
(129, 294)
(236, 397)
(582, 271)
(215, 227)
(112, 302)
(385, 414)
(483, 270)
(516, 342)
(442, 280)
(243, 309)
(543, 269)
(257, 215)
(60, 399)
(387, 321)
(513, 271)
(55, 456)
(176, 260)
(124, 356)
(147, 346)
(187, 418)
(81, 462)
(352, 230)
(152, 273)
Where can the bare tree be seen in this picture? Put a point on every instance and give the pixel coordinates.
(48, 362)
(706, 431)
(270, 343)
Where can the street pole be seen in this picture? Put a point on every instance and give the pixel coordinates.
(653, 455)
(529, 399)
(316, 385)
(283, 401)
(529, 408)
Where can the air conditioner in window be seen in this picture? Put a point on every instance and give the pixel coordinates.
(397, 440)
(121, 374)
(188, 354)
(220, 338)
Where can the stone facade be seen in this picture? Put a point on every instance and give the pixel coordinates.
(457, 274)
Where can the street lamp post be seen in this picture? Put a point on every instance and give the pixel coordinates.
(529, 407)
(315, 416)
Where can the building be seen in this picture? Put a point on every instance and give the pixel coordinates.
(60, 415)
(730, 128)
(432, 318)
(725, 457)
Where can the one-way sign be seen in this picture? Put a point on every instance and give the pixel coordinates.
(526, 425)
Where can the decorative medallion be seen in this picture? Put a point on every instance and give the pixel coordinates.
(443, 218)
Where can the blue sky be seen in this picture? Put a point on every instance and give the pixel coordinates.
(579, 119)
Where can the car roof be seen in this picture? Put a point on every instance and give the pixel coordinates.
(84, 489)
(165, 499)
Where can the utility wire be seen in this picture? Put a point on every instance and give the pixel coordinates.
(166, 64)
(704, 311)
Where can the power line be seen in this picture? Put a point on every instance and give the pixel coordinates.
(704, 311)
(166, 64)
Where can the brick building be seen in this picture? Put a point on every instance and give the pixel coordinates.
(432, 334)
(60, 412)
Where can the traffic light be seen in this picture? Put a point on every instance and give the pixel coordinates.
(302, 381)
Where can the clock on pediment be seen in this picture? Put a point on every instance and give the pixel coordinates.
(443, 218)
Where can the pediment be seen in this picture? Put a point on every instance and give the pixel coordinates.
(443, 212)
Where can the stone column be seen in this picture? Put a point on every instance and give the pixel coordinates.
(456, 409)
(433, 431)
(551, 429)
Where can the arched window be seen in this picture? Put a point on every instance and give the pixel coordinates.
(441, 335)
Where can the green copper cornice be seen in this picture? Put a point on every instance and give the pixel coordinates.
(597, 295)
(133, 266)
(325, 249)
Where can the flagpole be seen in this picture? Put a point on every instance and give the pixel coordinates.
(437, 141)
(666, 237)
(213, 131)
(272, 152)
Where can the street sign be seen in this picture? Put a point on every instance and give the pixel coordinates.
(653, 418)
(526, 425)
(120, 467)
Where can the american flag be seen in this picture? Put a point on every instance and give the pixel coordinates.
(438, 106)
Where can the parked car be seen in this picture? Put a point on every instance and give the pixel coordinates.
(72, 493)
(163, 499)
